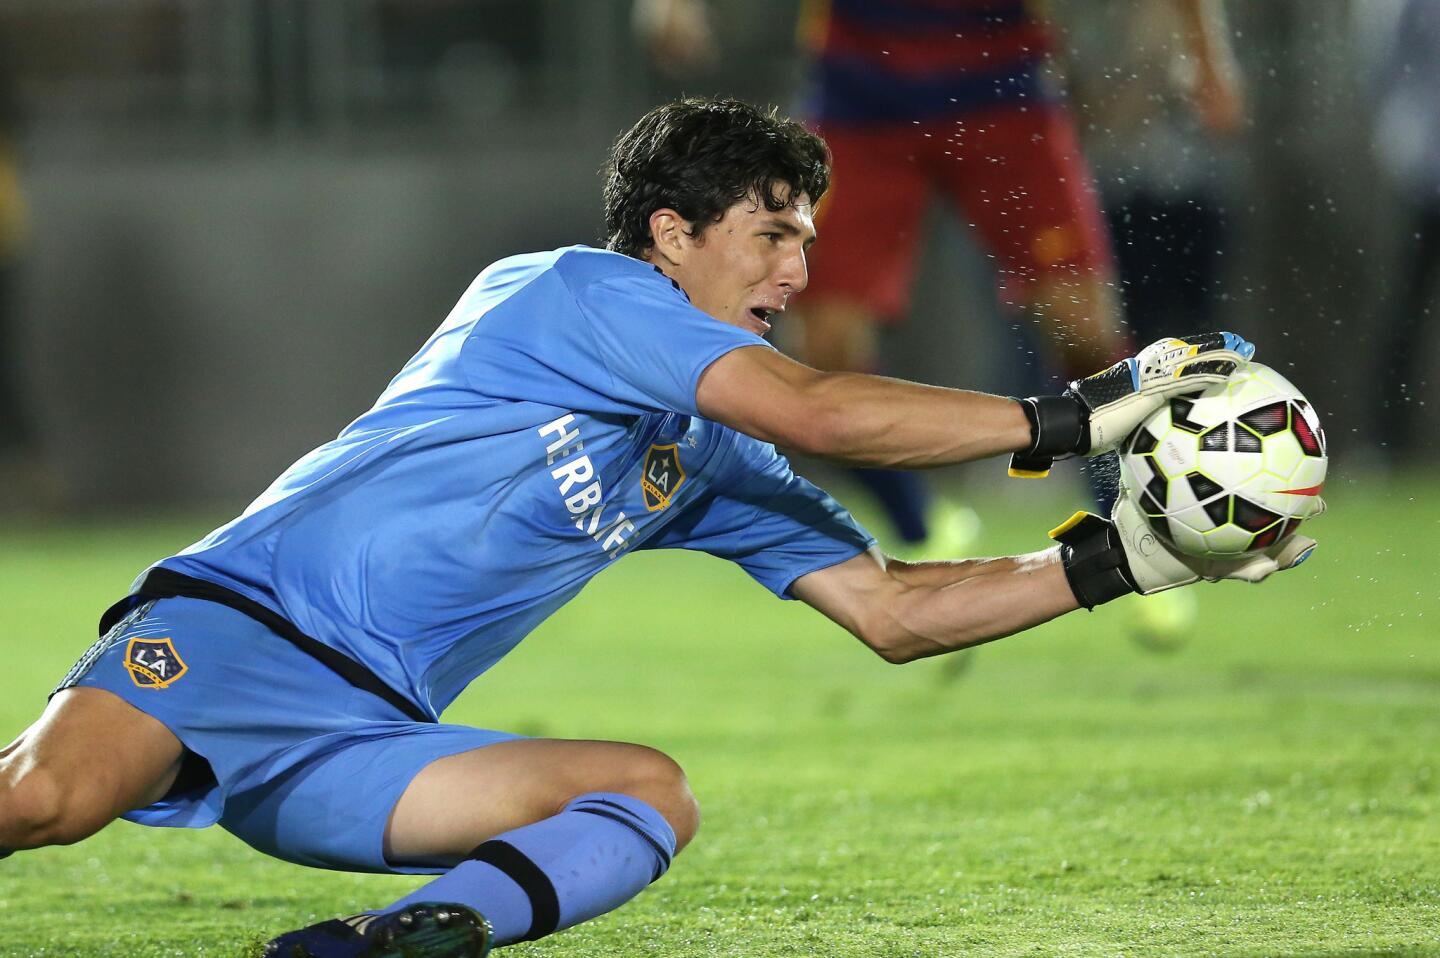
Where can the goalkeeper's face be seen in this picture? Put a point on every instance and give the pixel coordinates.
(742, 269)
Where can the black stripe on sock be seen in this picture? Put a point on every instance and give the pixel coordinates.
(544, 903)
(623, 820)
(630, 816)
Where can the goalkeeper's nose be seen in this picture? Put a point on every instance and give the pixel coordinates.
(792, 275)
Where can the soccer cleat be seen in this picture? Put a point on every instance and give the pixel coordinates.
(424, 930)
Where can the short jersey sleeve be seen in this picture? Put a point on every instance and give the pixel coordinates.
(599, 332)
(774, 524)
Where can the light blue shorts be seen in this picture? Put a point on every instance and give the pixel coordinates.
(302, 765)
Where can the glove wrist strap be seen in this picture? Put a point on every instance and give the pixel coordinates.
(1094, 560)
(1058, 426)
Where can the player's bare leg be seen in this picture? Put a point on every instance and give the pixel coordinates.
(513, 784)
(88, 759)
(541, 833)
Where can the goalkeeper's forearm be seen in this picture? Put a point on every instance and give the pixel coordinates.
(944, 606)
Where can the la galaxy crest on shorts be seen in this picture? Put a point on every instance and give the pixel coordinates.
(154, 663)
(662, 477)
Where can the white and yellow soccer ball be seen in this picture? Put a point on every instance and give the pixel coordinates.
(1231, 470)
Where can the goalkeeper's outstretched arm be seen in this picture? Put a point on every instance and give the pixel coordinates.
(906, 611)
(874, 421)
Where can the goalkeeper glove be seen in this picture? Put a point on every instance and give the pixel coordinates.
(1095, 414)
(1105, 559)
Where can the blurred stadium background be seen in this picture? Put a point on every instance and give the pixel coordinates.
(244, 214)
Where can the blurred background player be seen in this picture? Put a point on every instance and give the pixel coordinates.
(919, 98)
(21, 471)
(1158, 96)
(957, 99)
(1407, 144)
(1159, 122)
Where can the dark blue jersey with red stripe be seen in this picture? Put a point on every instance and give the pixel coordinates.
(878, 61)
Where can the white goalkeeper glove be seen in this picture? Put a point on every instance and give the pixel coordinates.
(1095, 414)
(1105, 559)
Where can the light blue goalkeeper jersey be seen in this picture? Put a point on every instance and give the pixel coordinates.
(547, 428)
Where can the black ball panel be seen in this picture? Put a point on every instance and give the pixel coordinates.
(1246, 441)
(1219, 510)
(1203, 486)
(1143, 442)
(1217, 439)
(1180, 415)
(1267, 420)
(1310, 443)
(1253, 518)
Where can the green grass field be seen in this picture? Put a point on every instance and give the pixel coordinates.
(1270, 789)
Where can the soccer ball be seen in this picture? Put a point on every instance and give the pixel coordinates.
(1233, 469)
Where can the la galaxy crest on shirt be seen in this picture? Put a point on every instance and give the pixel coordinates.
(154, 663)
(662, 477)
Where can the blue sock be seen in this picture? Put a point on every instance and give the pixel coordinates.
(904, 497)
(598, 853)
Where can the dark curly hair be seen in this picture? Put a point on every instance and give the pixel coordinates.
(701, 155)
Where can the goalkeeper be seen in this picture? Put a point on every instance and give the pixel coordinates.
(285, 676)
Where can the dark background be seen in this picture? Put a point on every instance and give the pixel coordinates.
(244, 215)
